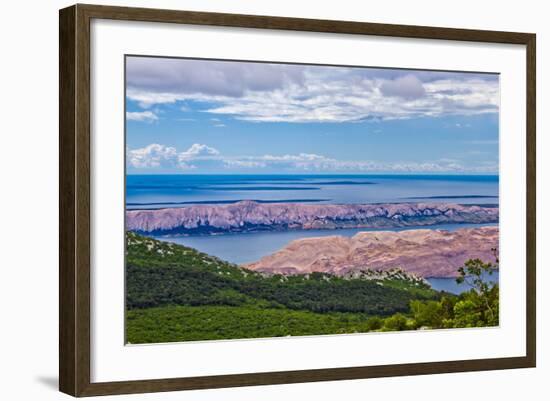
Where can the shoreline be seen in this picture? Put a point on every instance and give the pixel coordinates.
(248, 248)
(186, 204)
(335, 230)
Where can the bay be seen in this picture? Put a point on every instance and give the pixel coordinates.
(450, 285)
(243, 248)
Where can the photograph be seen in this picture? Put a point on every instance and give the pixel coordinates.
(276, 199)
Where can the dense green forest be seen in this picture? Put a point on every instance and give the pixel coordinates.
(175, 293)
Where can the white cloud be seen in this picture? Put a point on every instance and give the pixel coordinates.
(343, 101)
(203, 156)
(232, 163)
(146, 99)
(146, 116)
(313, 162)
(196, 151)
(293, 93)
(152, 156)
(164, 157)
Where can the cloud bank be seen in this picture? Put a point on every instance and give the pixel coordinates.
(156, 156)
(263, 92)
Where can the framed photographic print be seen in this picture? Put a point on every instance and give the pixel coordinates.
(250, 200)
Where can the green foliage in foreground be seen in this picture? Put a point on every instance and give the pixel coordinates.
(175, 293)
(478, 307)
(195, 323)
(163, 274)
(470, 309)
(189, 323)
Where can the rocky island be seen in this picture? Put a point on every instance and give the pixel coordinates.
(249, 216)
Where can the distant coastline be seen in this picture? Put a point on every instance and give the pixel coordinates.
(218, 202)
(175, 205)
(249, 216)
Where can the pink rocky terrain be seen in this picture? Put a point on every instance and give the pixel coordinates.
(249, 216)
(426, 253)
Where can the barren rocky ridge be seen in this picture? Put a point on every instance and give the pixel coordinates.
(251, 216)
(426, 253)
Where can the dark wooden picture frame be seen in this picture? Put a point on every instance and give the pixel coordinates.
(74, 203)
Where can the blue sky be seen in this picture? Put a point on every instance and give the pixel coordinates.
(190, 116)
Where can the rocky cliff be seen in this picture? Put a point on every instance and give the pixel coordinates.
(426, 253)
(252, 216)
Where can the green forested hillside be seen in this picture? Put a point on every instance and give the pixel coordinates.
(192, 323)
(175, 293)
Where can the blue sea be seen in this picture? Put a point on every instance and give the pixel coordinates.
(162, 191)
(450, 284)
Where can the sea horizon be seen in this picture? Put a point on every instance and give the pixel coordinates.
(181, 190)
(420, 174)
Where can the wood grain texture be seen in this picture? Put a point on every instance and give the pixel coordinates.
(301, 376)
(74, 198)
(74, 206)
(67, 131)
(301, 24)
